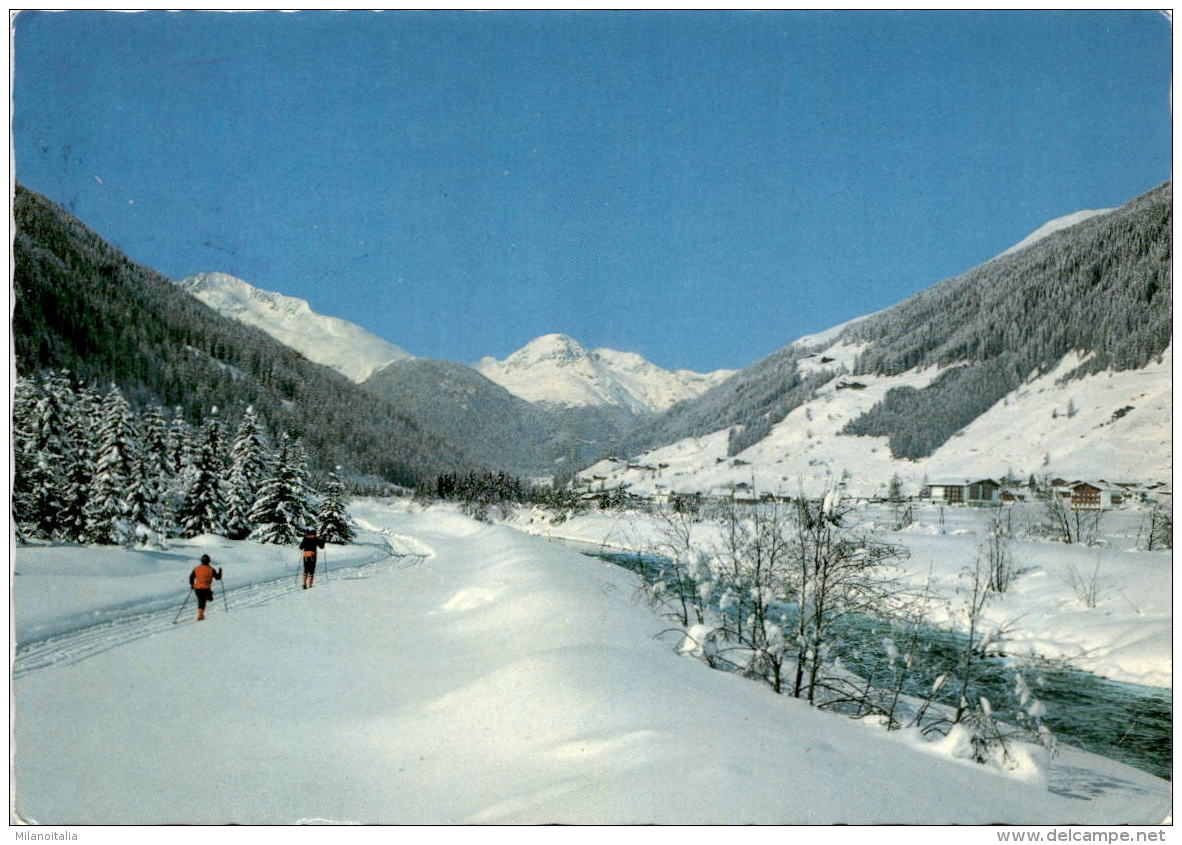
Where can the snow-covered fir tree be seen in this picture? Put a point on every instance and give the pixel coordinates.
(284, 509)
(143, 504)
(51, 442)
(154, 440)
(24, 456)
(108, 508)
(202, 510)
(180, 441)
(180, 453)
(249, 467)
(333, 518)
(84, 423)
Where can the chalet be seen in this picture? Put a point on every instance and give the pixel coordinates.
(943, 492)
(984, 491)
(1088, 496)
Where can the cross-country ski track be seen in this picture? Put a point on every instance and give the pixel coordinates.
(131, 624)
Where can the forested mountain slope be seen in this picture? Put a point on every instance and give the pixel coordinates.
(1101, 288)
(750, 402)
(457, 402)
(498, 428)
(84, 306)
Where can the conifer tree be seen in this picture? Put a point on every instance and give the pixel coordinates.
(249, 469)
(283, 512)
(108, 508)
(333, 518)
(180, 441)
(83, 424)
(50, 450)
(154, 436)
(179, 456)
(202, 509)
(24, 456)
(143, 501)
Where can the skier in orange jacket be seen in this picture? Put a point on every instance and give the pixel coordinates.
(201, 581)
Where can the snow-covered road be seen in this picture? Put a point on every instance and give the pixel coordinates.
(500, 679)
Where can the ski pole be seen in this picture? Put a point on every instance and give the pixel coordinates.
(182, 608)
(225, 603)
(299, 566)
(326, 563)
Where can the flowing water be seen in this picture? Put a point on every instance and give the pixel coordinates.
(1126, 722)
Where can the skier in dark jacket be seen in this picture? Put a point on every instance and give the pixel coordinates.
(308, 546)
(201, 582)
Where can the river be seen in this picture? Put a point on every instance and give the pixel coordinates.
(1126, 722)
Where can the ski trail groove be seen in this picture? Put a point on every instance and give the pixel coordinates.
(72, 646)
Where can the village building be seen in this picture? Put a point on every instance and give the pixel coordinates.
(983, 491)
(1088, 496)
(943, 492)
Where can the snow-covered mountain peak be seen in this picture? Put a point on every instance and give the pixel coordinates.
(331, 341)
(556, 369)
(226, 293)
(560, 349)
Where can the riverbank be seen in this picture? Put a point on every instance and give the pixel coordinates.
(1125, 637)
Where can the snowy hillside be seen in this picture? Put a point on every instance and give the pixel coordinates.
(483, 676)
(1111, 426)
(555, 369)
(1056, 225)
(1053, 359)
(344, 346)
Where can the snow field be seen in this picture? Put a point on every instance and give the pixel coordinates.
(501, 679)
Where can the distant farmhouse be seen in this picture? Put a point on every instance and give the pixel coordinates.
(984, 491)
(1086, 496)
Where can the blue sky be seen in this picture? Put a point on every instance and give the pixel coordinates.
(701, 188)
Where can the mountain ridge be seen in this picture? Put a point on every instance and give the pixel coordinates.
(344, 346)
(557, 370)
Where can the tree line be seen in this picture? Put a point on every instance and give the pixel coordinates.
(90, 469)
